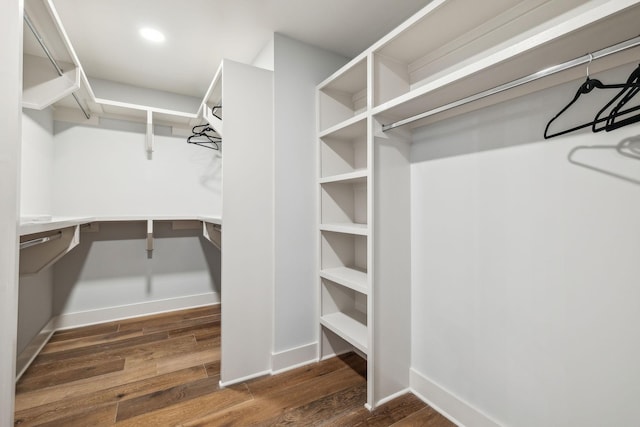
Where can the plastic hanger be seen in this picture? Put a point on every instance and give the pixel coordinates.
(205, 132)
(629, 90)
(586, 87)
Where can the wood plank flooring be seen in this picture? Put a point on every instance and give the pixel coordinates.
(164, 370)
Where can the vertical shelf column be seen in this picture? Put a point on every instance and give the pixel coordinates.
(344, 204)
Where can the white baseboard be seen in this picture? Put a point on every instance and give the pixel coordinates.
(393, 396)
(294, 358)
(92, 317)
(224, 384)
(32, 349)
(449, 405)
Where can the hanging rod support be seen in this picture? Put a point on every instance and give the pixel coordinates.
(47, 52)
(519, 82)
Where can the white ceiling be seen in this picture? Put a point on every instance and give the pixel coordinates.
(199, 33)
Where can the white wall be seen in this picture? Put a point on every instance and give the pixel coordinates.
(111, 268)
(299, 67)
(265, 57)
(525, 287)
(37, 161)
(104, 171)
(35, 306)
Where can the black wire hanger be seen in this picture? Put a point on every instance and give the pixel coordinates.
(585, 88)
(205, 136)
(629, 90)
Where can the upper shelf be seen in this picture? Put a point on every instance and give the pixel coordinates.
(521, 39)
(43, 224)
(44, 87)
(211, 107)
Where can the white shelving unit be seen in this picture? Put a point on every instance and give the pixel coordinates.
(440, 55)
(344, 201)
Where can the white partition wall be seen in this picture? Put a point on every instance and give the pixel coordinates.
(10, 123)
(247, 209)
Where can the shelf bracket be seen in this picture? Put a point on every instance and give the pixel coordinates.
(149, 136)
(149, 237)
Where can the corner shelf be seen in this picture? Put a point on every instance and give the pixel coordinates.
(407, 84)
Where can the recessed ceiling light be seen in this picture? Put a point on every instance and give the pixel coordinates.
(152, 35)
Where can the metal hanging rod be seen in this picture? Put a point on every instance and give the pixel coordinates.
(39, 240)
(585, 59)
(27, 20)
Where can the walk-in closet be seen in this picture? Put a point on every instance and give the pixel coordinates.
(419, 212)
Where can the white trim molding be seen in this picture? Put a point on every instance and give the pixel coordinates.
(294, 358)
(92, 317)
(448, 404)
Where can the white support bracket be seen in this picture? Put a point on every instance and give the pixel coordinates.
(213, 233)
(149, 236)
(149, 136)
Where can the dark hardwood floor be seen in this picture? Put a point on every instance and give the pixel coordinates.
(164, 370)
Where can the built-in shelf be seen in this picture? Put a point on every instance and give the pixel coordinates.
(348, 228)
(344, 150)
(350, 326)
(53, 237)
(357, 176)
(344, 96)
(344, 201)
(441, 55)
(210, 103)
(343, 250)
(352, 278)
(516, 42)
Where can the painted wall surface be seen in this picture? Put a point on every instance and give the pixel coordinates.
(104, 171)
(265, 58)
(35, 305)
(112, 268)
(37, 161)
(525, 290)
(298, 69)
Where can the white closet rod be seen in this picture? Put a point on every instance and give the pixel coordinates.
(39, 240)
(27, 20)
(585, 59)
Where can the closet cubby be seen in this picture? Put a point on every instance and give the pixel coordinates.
(344, 203)
(344, 312)
(344, 259)
(344, 151)
(345, 96)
